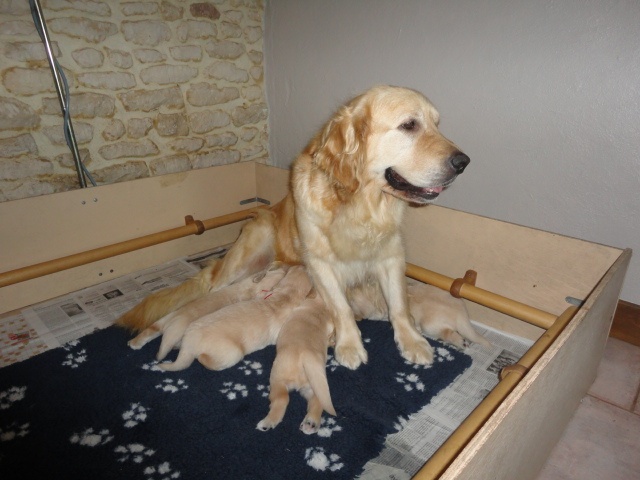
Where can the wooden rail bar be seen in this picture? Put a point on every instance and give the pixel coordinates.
(64, 263)
(496, 302)
(448, 451)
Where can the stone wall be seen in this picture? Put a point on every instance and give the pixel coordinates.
(156, 87)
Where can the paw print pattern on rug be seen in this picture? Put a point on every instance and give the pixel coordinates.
(401, 423)
(152, 366)
(318, 460)
(249, 367)
(442, 354)
(328, 426)
(90, 438)
(233, 391)
(13, 431)
(168, 385)
(161, 472)
(410, 381)
(11, 396)
(134, 452)
(332, 363)
(74, 359)
(135, 415)
(263, 390)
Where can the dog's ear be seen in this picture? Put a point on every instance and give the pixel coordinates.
(339, 149)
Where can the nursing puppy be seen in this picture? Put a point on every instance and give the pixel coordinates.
(349, 189)
(435, 312)
(221, 339)
(300, 364)
(173, 325)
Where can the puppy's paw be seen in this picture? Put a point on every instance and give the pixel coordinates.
(417, 350)
(350, 355)
(454, 338)
(134, 345)
(310, 425)
(266, 424)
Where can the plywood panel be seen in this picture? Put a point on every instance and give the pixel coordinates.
(39, 229)
(272, 182)
(531, 266)
(518, 438)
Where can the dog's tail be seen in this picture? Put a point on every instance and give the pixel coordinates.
(465, 328)
(159, 304)
(185, 359)
(317, 375)
(172, 335)
(467, 331)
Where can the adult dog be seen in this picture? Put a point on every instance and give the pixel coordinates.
(341, 217)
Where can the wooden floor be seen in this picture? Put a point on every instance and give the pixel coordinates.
(626, 323)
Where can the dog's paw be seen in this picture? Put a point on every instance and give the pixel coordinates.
(265, 424)
(417, 351)
(351, 356)
(310, 425)
(134, 345)
(452, 337)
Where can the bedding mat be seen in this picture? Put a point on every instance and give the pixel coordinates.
(96, 409)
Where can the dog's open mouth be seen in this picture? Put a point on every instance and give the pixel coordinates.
(410, 191)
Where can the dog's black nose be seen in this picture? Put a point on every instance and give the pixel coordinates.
(459, 162)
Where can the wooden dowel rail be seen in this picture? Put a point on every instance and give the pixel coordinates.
(510, 377)
(192, 227)
(494, 301)
(196, 227)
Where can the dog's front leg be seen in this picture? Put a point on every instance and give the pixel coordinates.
(349, 350)
(412, 345)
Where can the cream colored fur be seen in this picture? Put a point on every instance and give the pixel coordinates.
(300, 364)
(173, 325)
(435, 312)
(221, 339)
(348, 190)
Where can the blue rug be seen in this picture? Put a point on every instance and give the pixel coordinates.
(95, 409)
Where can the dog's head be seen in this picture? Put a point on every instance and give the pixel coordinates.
(388, 136)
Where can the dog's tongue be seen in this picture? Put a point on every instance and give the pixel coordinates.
(435, 189)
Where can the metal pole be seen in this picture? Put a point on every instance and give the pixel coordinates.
(71, 139)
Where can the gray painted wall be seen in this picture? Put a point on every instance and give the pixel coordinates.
(544, 96)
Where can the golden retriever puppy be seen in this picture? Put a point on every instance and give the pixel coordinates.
(300, 364)
(435, 312)
(221, 339)
(348, 191)
(173, 325)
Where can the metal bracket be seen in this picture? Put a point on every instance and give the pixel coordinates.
(255, 199)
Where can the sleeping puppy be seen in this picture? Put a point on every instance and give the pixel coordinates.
(300, 364)
(173, 325)
(221, 339)
(435, 312)
(348, 191)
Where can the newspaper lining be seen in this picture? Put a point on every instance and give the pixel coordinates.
(422, 434)
(55, 322)
(51, 324)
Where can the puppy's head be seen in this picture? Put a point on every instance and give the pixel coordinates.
(389, 136)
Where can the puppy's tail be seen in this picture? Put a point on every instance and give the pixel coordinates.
(465, 328)
(185, 359)
(316, 373)
(159, 304)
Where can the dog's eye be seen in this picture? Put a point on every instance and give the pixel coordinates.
(410, 125)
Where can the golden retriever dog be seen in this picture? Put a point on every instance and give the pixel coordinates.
(435, 312)
(300, 364)
(173, 325)
(221, 339)
(341, 217)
